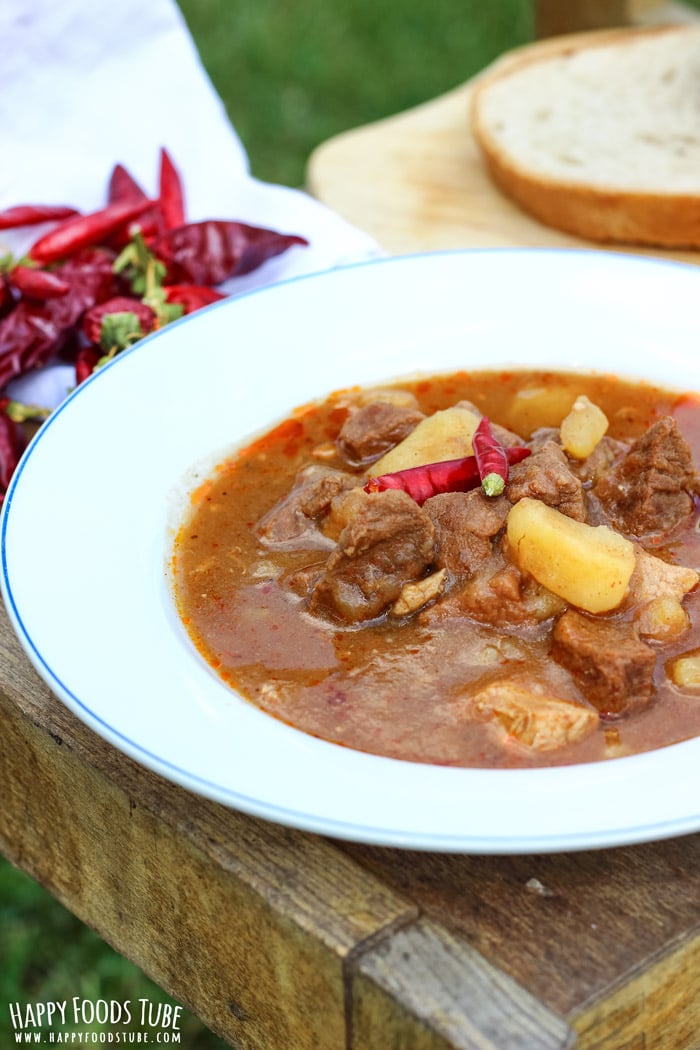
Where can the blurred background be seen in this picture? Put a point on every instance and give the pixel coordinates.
(294, 74)
(291, 76)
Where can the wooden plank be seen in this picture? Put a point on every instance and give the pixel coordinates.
(661, 12)
(460, 1000)
(416, 181)
(608, 939)
(248, 924)
(657, 1009)
(552, 16)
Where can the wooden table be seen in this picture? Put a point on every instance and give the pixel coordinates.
(281, 940)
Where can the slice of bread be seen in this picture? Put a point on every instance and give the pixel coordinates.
(600, 135)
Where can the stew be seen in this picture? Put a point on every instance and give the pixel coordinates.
(556, 621)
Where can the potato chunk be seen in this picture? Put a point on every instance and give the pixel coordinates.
(444, 435)
(663, 619)
(582, 428)
(535, 407)
(529, 713)
(588, 566)
(685, 669)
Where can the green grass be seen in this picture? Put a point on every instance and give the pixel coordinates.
(47, 955)
(291, 75)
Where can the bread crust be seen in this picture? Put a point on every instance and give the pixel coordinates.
(615, 216)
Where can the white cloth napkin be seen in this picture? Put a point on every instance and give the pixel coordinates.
(86, 84)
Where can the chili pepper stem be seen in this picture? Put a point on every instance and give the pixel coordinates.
(21, 413)
(493, 484)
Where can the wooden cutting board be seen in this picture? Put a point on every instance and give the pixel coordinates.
(417, 182)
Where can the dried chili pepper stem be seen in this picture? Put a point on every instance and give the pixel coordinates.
(19, 412)
(491, 458)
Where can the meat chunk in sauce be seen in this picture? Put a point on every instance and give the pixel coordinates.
(649, 491)
(464, 524)
(373, 429)
(454, 652)
(291, 523)
(656, 592)
(606, 452)
(388, 541)
(497, 594)
(613, 667)
(546, 475)
(529, 712)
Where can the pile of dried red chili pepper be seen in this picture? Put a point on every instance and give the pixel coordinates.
(97, 282)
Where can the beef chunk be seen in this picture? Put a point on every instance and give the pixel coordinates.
(301, 581)
(464, 524)
(613, 667)
(292, 523)
(321, 487)
(483, 515)
(387, 542)
(606, 452)
(648, 492)
(372, 430)
(546, 476)
(498, 595)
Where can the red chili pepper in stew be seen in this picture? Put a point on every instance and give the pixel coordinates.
(38, 284)
(431, 479)
(85, 231)
(491, 458)
(208, 253)
(33, 214)
(449, 475)
(171, 198)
